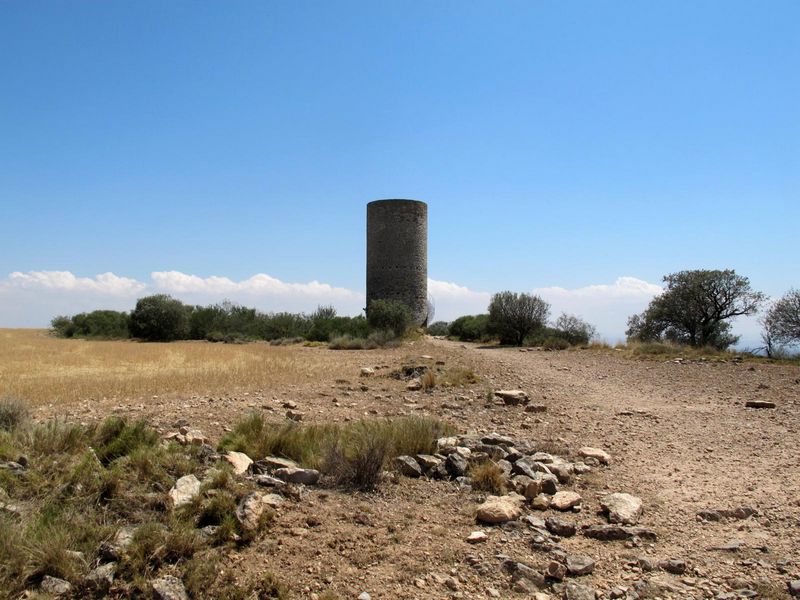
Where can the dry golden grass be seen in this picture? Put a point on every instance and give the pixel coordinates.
(38, 368)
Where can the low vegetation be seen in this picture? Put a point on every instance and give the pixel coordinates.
(71, 489)
(337, 449)
(161, 318)
(76, 486)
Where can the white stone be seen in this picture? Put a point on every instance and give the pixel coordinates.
(240, 461)
(184, 490)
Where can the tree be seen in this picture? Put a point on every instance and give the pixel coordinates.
(389, 315)
(159, 318)
(695, 309)
(513, 316)
(782, 321)
(574, 329)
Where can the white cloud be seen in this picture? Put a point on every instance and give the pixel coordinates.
(260, 284)
(105, 283)
(452, 300)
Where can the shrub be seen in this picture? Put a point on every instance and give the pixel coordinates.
(470, 328)
(108, 324)
(357, 461)
(514, 316)
(438, 328)
(160, 318)
(555, 343)
(389, 315)
(487, 476)
(13, 413)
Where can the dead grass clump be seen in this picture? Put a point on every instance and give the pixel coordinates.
(459, 377)
(336, 449)
(358, 462)
(13, 413)
(487, 476)
(428, 381)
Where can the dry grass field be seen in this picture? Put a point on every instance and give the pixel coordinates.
(42, 369)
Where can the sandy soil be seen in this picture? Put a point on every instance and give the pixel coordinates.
(679, 434)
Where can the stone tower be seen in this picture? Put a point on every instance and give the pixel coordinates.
(397, 254)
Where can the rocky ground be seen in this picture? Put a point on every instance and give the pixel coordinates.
(719, 483)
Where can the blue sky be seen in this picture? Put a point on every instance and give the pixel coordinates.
(559, 145)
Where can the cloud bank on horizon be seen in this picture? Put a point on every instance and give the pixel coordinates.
(32, 298)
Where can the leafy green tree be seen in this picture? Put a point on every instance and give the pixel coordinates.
(470, 328)
(514, 316)
(160, 318)
(695, 309)
(782, 321)
(438, 328)
(574, 330)
(389, 315)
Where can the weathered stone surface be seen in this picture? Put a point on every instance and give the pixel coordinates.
(270, 463)
(251, 508)
(239, 460)
(169, 588)
(541, 483)
(565, 500)
(536, 408)
(414, 385)
(113, 549)
(541, 502)
(622, 508)
(268, 481)
(55, 586)
(500, 509)
(456, 465)
(596, 453)
(563, 471)
(618, 532)
(560, 527)
(675, 566)
(184, 490)
(428, 461)
(495, 439)
(759, 404)
(407, 466)
(579, 564)
(794, 588)
(555, 570)
(476, 537)
(512, 397)
(102, 577)
(367, 372)
(298, 475)
(576, 591)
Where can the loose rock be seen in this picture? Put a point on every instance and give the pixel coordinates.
(560, 527)
(407, 466)
(576, 591)
(55, 586)
(596, 453)
(512, 397)
(565, 500)
(169, 588)
(500, 509)
(759, 404)
(240, 461)
(476, 537)
(622, 508)
(579, 564)
(618, 532)
(184, 490)
(298, 475)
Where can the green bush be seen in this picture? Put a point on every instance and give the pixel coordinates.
(389, 315)
(513, 316)
(108, 324)
(438, 328)
(160, 318)
(470, 328)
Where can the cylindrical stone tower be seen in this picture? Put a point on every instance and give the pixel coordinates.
(397, 254)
